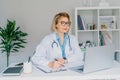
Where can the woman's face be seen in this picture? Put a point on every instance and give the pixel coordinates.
(63, 25)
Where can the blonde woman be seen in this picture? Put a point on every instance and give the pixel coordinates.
(58, 48)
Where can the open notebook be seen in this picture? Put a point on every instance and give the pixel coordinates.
(50, 70)
(13, 70)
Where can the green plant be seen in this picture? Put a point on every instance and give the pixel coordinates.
(12, 39)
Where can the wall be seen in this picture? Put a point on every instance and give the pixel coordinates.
(35, 17)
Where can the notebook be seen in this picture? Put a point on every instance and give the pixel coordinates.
(13, 70)
(46, 69)
(96, 59)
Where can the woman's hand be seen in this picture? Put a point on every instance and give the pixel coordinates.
(58, 63)
(51, 64)
(55, 65)
(62, 61)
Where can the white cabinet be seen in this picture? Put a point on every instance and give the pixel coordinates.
(100, 25)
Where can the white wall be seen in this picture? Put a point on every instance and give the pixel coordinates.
(35, 17)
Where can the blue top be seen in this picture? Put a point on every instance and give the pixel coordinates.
(64, 44)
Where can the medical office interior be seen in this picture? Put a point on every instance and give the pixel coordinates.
(35, 17)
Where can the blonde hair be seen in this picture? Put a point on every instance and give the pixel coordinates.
(56, 19)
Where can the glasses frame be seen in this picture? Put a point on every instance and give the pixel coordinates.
(63, 23)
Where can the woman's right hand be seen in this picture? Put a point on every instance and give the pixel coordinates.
(55, 65)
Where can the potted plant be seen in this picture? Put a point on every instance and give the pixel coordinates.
(12, 39)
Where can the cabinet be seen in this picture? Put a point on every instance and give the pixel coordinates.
(101, 25)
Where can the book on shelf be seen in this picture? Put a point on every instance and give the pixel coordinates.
(105, 38)
(81, 24)
(102, 42)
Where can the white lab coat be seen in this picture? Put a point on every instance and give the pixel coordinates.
(45, 53)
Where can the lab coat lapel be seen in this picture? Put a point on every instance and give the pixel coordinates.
(57, 50)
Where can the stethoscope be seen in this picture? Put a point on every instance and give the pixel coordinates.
(55, 43)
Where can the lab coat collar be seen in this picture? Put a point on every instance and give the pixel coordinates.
(66, 36)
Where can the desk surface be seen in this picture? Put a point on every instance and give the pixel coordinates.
(112, 73)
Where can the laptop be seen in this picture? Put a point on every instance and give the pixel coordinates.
(96, 59)
(12, 71)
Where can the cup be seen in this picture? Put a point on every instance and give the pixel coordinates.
(27, 67)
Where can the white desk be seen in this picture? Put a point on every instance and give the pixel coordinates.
(108, 74)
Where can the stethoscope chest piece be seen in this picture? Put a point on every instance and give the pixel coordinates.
(54, 43)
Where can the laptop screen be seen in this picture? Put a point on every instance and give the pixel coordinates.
(97, 58)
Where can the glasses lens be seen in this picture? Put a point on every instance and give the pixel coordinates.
(63, 23)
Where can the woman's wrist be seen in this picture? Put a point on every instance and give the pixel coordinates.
(65, 61)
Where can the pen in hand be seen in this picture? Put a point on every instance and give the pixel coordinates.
(56, 59)
(59, 62)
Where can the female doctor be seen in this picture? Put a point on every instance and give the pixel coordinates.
(58, 48)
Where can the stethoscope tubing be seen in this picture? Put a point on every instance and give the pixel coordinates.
(54, 42)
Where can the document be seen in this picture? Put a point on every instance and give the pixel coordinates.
(50, 70)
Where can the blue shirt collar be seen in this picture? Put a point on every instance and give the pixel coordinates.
(65, 36)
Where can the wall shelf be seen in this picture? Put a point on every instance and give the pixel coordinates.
(101, 34)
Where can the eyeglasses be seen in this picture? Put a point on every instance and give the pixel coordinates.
(63, 23)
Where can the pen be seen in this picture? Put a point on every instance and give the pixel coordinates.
(29, 59)
(56, 59)
(59, 62)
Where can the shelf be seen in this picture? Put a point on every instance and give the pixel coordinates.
(88, 8)
(87, 30)
(109, 30)
(90, 16)
(99, 30)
